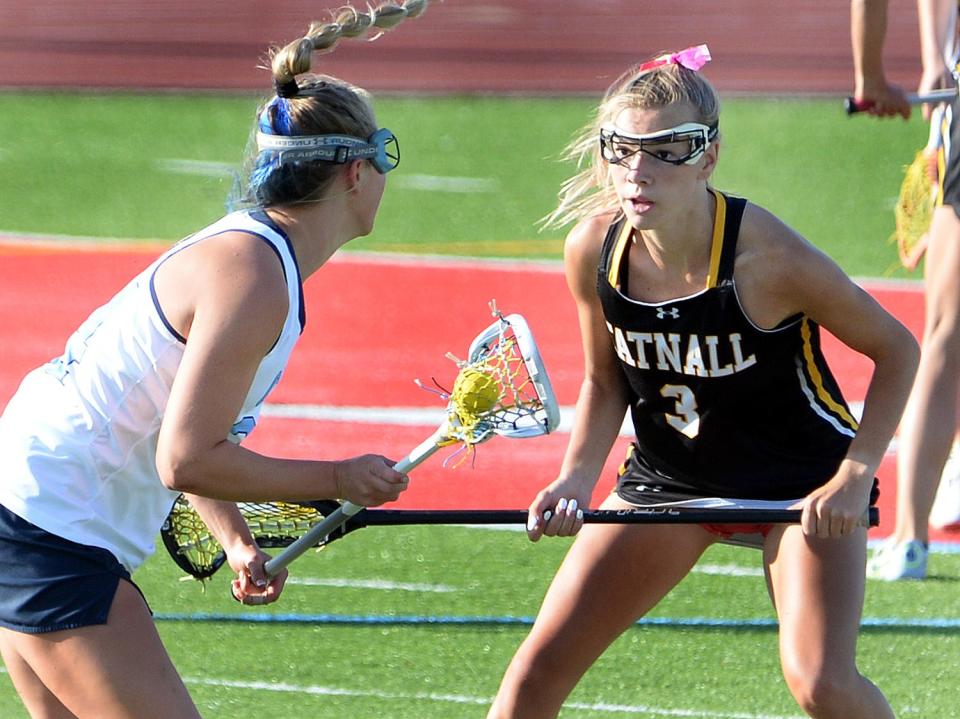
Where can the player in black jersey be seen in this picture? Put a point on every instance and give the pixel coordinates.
(700, 313)
(928, 486)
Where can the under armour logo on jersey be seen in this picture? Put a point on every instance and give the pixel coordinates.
(672, 313)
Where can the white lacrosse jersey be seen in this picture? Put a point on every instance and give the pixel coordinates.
(78, 440)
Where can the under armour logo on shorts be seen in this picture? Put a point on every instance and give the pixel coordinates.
(672, 313)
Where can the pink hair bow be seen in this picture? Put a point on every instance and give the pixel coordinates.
(693, 58)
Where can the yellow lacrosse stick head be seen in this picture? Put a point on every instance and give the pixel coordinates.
(914, 209)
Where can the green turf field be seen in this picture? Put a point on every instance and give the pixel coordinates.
(386, 666)
(476, 173)
(146, 168)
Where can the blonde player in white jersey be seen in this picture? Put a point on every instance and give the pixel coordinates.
(154, 393)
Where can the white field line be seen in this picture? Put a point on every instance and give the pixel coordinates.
(724, 570)
(440, 183)
(727, 570)
(424, 416)
(398, 416)
(197, 167)
(634, 710)
(378, 584)
(427, 183)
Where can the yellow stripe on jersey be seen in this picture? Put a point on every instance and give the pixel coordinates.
(622, 469)
(716, 246)
(613, 273)
(814, 372)
(941, 160)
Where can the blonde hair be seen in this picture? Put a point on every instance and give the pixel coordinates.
(295, 58)
(590, 191)
(313, 104)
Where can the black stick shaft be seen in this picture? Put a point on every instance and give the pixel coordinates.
(639, 515)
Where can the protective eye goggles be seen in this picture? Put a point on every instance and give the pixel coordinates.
(381, 148)
(680, 145)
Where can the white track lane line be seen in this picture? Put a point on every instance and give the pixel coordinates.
(425, 416)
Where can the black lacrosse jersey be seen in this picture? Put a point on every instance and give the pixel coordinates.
(720, 406)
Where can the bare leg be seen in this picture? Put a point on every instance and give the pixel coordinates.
(119, 670)
(817, 586)
(929, 424)
(611, 576)
(39, 701)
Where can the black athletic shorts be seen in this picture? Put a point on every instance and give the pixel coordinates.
(950, 157)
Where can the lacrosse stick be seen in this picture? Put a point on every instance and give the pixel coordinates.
(914, 210)
(280, 524)
(852, 106)
(918, 196)
(502, 388)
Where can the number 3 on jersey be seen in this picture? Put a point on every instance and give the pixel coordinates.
(687, 419)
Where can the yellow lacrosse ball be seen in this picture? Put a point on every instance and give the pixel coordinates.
(475, 391)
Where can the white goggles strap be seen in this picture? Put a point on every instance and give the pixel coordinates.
(333, 148)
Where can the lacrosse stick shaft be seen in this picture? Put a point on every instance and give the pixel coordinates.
(637, 515)
(853, 106)
(345, 511)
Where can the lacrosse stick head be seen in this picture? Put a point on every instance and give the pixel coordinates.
(190, 544)
(274, 524)
(502, 387)
(914, 210)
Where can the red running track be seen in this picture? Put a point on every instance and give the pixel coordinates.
(374, 324)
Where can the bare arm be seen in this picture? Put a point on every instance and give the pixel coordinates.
(937, 20)
(246, 559)
(791, 276)
(228, 297)
(601, 404)
(857, 320)
(868, 29)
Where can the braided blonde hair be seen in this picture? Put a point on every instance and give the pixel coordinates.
(590, 191)
(346, 22)
(313, 104)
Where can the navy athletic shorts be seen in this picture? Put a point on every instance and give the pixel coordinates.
(48, 583)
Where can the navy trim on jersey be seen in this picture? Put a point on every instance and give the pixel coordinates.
(185, 245)
(160, 312)
(262, 217)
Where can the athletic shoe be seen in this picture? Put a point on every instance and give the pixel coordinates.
(898, 560)
(946, 507)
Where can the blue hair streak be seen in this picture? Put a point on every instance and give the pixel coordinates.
(276, 119)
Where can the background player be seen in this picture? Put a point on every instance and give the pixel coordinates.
(930, 421)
